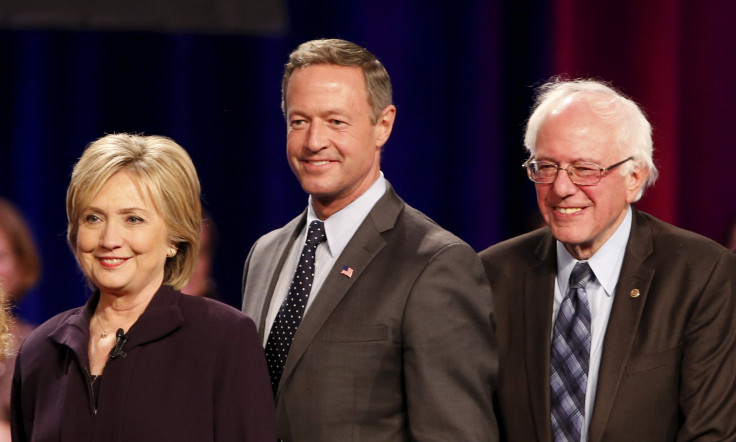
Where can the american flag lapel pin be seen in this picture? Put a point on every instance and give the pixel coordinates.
(347, 271)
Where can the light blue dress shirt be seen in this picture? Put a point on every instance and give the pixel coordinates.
(606, 265)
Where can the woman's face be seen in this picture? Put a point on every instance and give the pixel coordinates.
(122, 240)
(9, 269)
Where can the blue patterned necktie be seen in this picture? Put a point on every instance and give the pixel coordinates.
(290, 314)
(570, 358)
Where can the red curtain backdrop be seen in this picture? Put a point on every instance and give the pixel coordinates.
(676, 59)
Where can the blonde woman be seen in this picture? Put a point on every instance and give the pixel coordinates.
(140, 361)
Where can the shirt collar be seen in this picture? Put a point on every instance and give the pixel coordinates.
(341, 226)
(605, 263)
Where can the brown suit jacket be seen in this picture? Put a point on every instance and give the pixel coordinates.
(402, 350)
(668, 368)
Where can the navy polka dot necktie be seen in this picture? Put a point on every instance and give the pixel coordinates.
(290, 314)
(570, 357)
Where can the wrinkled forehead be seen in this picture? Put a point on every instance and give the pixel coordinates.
(574, 132)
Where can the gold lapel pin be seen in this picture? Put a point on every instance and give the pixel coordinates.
(635, 293)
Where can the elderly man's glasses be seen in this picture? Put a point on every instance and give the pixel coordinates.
(582, 173)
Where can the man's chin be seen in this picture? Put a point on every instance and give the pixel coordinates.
(569, 235)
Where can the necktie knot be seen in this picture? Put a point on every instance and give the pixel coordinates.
(316, 234)
(581, 274)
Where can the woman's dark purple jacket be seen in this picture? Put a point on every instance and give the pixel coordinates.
(194, 370)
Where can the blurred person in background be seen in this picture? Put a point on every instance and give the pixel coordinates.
(202, 283)
(730, 242)
(6, 349)
(20, 270)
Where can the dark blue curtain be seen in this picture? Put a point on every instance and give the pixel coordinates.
(460, 75)
(462, 71)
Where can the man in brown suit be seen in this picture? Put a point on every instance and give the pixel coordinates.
(397, 341)
(648, 344)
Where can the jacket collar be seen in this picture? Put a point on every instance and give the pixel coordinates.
(162, 316)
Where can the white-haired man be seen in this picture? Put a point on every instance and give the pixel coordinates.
(612, 324)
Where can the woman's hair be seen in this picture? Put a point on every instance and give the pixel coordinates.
(21, 242)
(6, 339)
(167, 176)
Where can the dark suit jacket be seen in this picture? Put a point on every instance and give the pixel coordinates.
(668, 368)
(402, 350)
(194, 371)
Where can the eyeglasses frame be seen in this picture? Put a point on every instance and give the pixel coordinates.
(603, 170)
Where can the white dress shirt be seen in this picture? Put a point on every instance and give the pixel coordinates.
(606, 265)
(339, 228)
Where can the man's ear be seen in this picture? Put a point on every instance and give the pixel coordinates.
(635, 180)
(385, 124)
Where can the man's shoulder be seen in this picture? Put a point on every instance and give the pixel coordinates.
(667, 238)
(524, 246)
(415, 227)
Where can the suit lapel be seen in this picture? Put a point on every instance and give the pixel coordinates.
(365, 244)
(538, 297)
(623, 323)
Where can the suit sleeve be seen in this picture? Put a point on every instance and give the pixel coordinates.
(253, 298)
(243, 401)
(244, 279)
(450, 357)
(708, 386)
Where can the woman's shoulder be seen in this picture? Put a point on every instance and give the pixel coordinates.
(40, 335)
(196, 308)
(208, 324)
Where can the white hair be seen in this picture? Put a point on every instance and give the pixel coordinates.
(634, 131)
